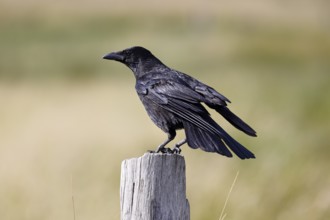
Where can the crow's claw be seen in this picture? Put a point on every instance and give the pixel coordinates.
(176, 150)
(166, 151)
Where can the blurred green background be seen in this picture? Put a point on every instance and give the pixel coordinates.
(68, 118)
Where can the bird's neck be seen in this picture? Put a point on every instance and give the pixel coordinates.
(148, 66)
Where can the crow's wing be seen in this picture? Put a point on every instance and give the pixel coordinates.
(210, 94)
(178, 99)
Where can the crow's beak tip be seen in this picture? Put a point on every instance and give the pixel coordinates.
(113, 56)
(107, 56)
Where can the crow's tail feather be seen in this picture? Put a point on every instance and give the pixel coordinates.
(210, 142)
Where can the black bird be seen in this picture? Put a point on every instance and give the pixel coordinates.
(173, 100)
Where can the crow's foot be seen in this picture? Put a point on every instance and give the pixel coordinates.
(163, 150)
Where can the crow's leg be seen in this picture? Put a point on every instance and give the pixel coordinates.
(177, 146)
(161, 147)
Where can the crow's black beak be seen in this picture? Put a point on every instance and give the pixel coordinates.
(114, 56)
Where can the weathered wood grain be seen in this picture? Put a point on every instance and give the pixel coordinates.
(153, 187)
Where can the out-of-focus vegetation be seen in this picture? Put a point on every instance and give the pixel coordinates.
(66, 114)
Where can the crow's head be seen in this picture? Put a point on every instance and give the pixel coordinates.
(138, 59)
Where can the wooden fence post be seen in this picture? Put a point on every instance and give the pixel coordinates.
(153, 187)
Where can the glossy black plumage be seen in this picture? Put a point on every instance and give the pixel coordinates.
(173, 101)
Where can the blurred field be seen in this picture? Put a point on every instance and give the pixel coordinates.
(66, 114)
